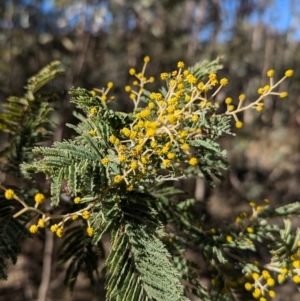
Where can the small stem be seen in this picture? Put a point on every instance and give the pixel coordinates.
(20, 212)
(258, 100)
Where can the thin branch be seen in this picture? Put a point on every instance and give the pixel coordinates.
(47, 261)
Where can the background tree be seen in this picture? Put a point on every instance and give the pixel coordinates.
(97, 41)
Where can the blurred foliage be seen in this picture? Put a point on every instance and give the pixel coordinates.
(98, 40)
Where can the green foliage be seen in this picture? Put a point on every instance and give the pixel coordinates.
(79, 249)
(115, 171)
(11, 236)
(139, 266)
(25, 119)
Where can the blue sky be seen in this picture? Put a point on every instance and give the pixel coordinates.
(282, 15)
(279, 16)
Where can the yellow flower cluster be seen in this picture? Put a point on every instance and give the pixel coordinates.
(102, 94)
(161, 136)
(58, 230)
(39, 198)
(291, 270)
(258, 104)
(40, 224)
(244, 219)
(260, 285)
(161, 133)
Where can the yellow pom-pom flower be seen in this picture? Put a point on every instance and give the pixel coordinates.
(296, 264)
(41, 223)
(231, 108)
(153, 144)
(147, 59)
(242, 97)
(54, 228)
(39, 198)
(260, 107)
(134, 165)
(252, 204)
(195, 118)
(122, 158)
(256, 293)
(145, 113)
(266, 274)
(272, 294)
(127, 88)
(191, 79)
(283, 94)
(212, 231)
(132, 71)
(228, 100)
(238, 124)
(60, 232)
(125, 131)
(270, 73)
(248, 286)
(250, 229)
(85, 214)
(93, 111)
(164, 76)
(270, 282)
(296, 279)
(118, 179)
(185, 147)
(110, 84)
(74, 217)
(112, 139)
(224, 81)
(129, 187)
(212, 76)
(289, 73)
(281, 278)
(89, 231)
(105, 161)
(187, 98)
(229, 238)
(261, 90)
(180, 64)
(77, 200)
(193, 161)
(171, 156)
(9, 194)
(259, 208)
(151, 105)
(33, 229)
(150, 133)
(238, 219)
(166, 163)
(92, 133)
